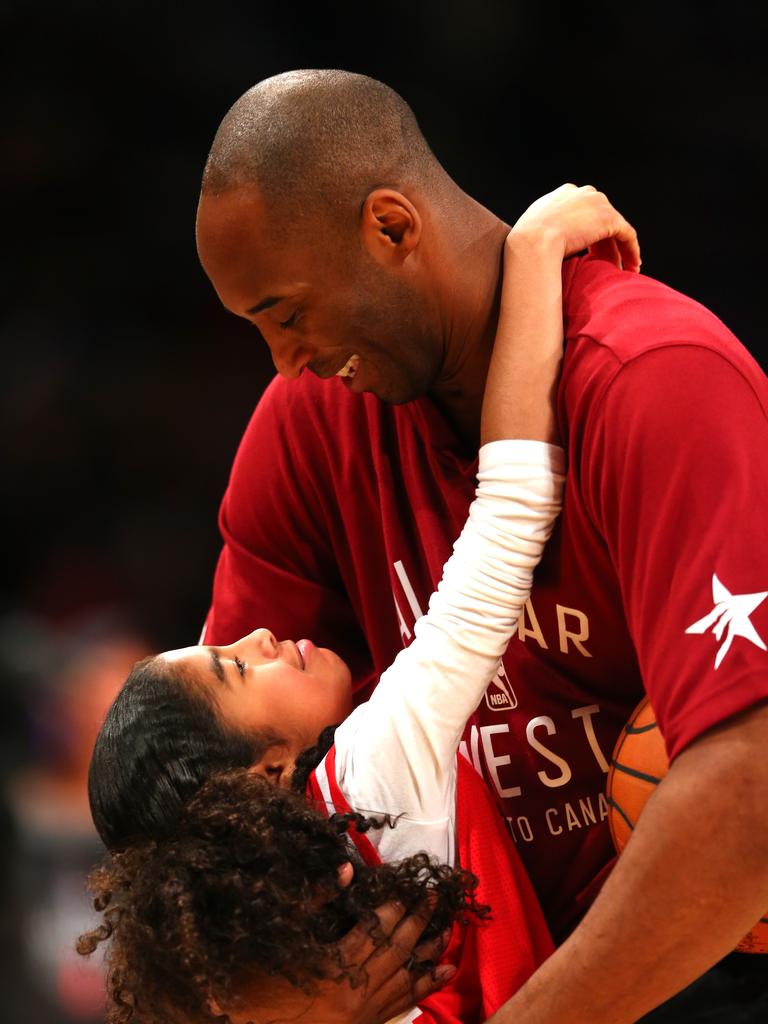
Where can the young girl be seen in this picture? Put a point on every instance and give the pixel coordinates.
(225, 883)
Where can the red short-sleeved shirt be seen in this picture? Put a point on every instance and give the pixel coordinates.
(341, 511)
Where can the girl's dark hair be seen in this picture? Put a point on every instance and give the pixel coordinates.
(247, 887)
(161, 740)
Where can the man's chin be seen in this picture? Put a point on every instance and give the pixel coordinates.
(400, 392)
(400, 399)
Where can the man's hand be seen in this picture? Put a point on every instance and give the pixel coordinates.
(390, 984)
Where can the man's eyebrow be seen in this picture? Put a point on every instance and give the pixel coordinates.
(216, 665)
(266, 303)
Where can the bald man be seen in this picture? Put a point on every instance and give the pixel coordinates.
(326, 222)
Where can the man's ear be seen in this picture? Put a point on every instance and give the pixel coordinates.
(390, 226)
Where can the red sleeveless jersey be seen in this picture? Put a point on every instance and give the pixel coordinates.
(493, 957)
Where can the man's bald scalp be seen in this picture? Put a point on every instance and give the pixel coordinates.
(313, 139)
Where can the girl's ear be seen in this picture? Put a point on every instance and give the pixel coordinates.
(346, 874)
(276, 766)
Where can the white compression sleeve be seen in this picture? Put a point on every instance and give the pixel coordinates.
(488, 577)
(399, 746)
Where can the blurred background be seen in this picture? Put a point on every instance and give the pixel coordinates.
(126, 387)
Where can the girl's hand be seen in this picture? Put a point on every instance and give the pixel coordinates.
(573, 218)
(524, 369)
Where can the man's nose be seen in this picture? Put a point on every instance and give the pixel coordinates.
(290, 359)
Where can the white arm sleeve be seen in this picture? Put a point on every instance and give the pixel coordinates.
(396, 753)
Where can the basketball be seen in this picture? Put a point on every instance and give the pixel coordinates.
(638, 765)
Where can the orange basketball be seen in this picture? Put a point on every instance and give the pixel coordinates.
(638, 765)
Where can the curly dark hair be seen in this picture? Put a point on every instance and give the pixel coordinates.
(248, 882)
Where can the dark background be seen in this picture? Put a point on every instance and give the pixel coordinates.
(126, 387)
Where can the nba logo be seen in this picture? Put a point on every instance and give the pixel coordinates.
(500, 696)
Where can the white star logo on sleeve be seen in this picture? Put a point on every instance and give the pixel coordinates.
(733, 611)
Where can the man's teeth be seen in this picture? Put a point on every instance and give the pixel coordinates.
(349, 369)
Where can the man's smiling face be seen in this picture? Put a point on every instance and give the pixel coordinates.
(319, 299)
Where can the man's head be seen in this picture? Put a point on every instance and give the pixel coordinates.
(318, 203)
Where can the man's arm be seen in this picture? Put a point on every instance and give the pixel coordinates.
(674, 467)
(691, 882)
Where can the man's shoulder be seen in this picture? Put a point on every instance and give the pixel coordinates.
(615, 319)
(626, 315)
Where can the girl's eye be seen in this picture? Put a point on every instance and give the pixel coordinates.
(285, 324)
(240, 666)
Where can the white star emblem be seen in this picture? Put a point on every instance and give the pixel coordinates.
(733, 611)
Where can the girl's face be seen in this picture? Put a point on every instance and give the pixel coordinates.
(260, 684)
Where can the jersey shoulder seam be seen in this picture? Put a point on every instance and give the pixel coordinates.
(624, 364)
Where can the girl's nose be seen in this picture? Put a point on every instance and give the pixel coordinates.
(264, 641)
(268, 643)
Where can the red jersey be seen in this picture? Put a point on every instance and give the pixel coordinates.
(493, 957)
(341, 511)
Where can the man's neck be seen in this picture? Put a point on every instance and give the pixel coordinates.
(471, 288)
